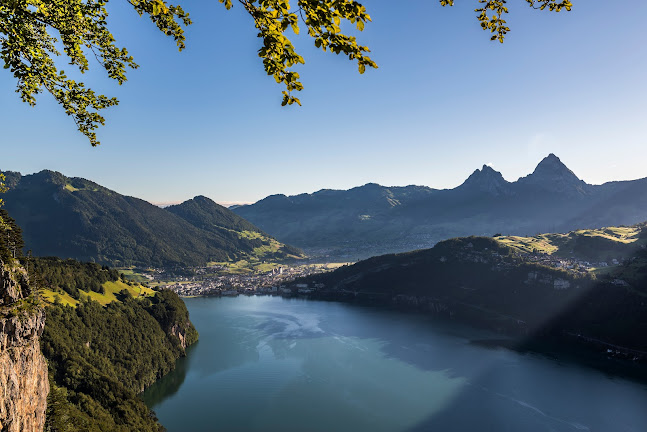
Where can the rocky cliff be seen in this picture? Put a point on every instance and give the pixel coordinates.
(23, 371)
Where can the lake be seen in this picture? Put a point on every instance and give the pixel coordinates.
(274, 364)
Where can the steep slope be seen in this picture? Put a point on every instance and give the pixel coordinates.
(205, 214)
(486, 180)
(98, 357)
(76, 218)
(375, 219)
(101, 357)
(23, 370)
(552, 175)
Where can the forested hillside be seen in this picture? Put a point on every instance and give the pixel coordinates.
(101, 357)
(76, 218)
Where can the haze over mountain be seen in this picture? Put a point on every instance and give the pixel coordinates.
(76, 218)
(373, 219)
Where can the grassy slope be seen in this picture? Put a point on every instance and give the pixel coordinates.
(596, 244)
(262, 259)
(112, 288)
(269, 249)
(211, 217)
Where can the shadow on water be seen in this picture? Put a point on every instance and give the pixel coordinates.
(571, 354)
(559, 399)
(399, 330)
(478, 411)
(404, 336)
(169, 384)
(500, 394)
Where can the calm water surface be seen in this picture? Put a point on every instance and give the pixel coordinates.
(272, 364)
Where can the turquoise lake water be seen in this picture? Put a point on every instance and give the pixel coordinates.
(274, 364)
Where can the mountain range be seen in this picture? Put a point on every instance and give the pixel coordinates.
(77, 218)
(374, 219)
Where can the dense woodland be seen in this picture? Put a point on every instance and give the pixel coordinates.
(71, 275)
(100, 358)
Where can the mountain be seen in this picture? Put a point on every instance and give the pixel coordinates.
(77, 218)
(486, 180)
(374, 219)
(204, 213)
(208, 216)
(553, 176)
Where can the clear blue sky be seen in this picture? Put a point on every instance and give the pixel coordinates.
(444, 101)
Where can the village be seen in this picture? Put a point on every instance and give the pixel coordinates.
(278, 281)
(573, 264)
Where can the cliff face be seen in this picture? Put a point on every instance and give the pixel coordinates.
(185, 333)
(23, 371)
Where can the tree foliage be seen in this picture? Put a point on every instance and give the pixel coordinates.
(33, 31)
(490, 13)
(70, 275)
(3, 189)
(11, 242)
(101, 358)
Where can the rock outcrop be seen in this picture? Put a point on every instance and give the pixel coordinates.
(185, 333)
(23, 370)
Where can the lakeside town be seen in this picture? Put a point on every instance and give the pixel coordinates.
(217, 281)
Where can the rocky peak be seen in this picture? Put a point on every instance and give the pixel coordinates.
(551, 166)
(486, 180)
(551, 174)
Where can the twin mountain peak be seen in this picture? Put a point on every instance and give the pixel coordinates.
(550, 175)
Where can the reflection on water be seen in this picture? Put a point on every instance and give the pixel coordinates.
(268, 363)
(169, 384)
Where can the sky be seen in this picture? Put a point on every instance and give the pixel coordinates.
(444, 101)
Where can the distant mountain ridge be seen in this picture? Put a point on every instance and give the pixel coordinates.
(373, 219)
(77, 218)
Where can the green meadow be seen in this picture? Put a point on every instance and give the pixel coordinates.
(111, 291)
